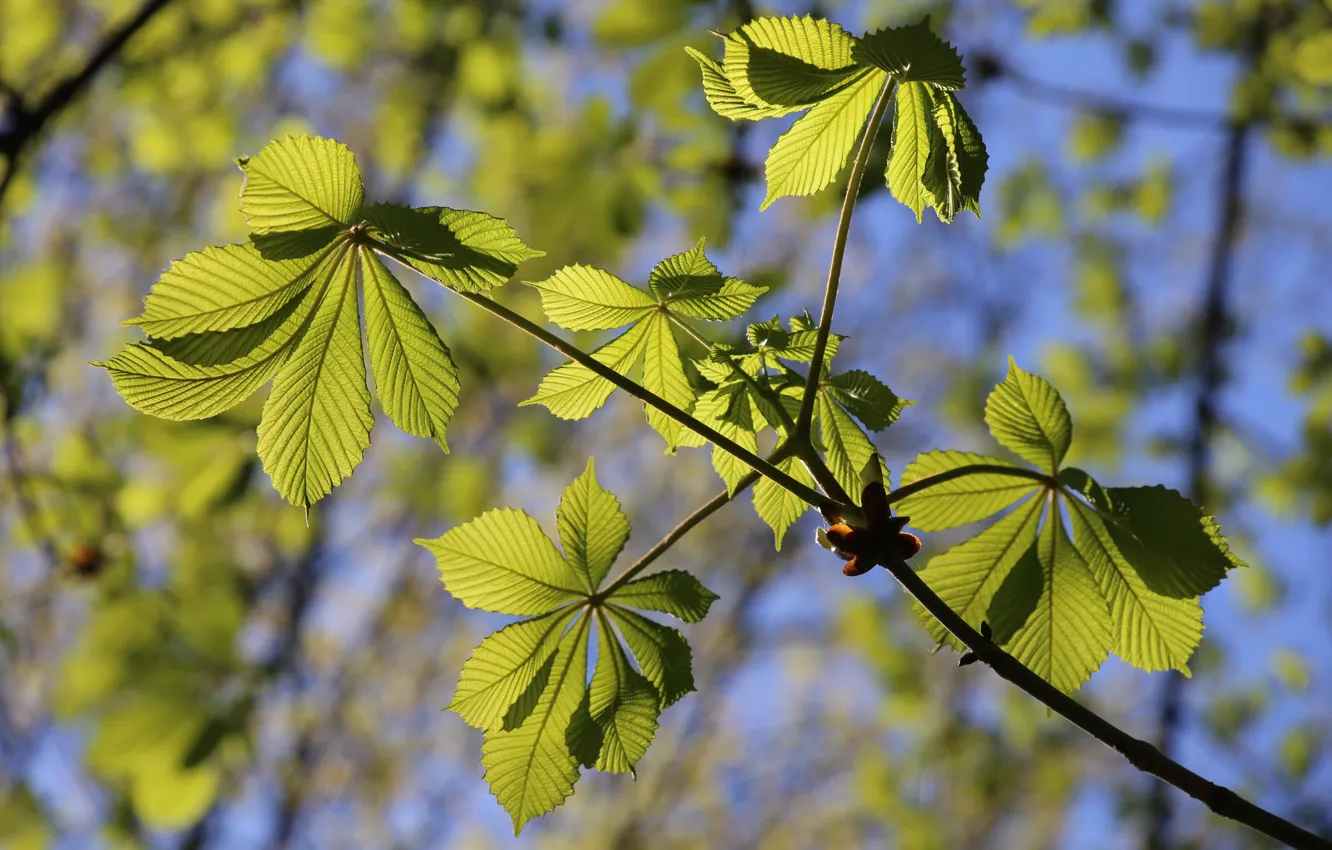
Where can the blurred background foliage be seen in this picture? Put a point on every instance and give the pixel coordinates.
(184, 662)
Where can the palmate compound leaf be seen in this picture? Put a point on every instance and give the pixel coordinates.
(1120, 536)
(224, 321)
(584, 298)
(525, 685)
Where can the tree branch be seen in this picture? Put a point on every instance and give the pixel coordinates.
(1140, 754)
(753, 461)
(835, 265)
(28, 122)
(803, 449)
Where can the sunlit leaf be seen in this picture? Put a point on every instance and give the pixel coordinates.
(673, 592)
(913, 137)
(913, 54)
(582, 298)
(530, 769)
(809, 156)
(968, 575)
(1028, 417)
(574, 391)
(470, 251)
(219, 289)
(1151, 631)
(1068, 633)
(664, 374)
(415, 376)
(503, 562)
(504, 665)
(662, 653)
(316, 422)
(301, 183)
(592, 527)
(778, 507)
(970, 498)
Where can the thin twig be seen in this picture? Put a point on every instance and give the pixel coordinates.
(753, 461)
(713, 505)
(1096, 102)
(28, 122)
(806, 416)
(803, 449)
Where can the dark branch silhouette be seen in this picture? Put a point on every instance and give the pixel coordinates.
(25, 123)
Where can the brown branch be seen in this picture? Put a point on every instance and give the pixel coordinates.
(28, 122)
(1140, 754)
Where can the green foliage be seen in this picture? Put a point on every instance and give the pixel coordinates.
(224, 321)
(684, 286)
(526, 685)
(774, 66)
(1127, 581)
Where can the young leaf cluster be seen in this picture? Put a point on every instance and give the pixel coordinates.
(776, 66)
(1073, 570)
(286, 305)
(581, 298)
(526, 686)
(759, 388)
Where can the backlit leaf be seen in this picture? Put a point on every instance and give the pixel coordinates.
(913, 137)
(662, 653)
(1069, 633)
(673, 592)
(574, 391)
(415, 376)
(504, 665)
(301, 183)
(970, 498)
(1028, 417)
(968, 575)
(809, 156)
(582, 298)
(593, 529)
(316, 421)
(913, 54)
(503, 562)
(530, 769)
(778, 507)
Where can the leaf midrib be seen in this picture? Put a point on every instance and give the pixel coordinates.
(545, 718)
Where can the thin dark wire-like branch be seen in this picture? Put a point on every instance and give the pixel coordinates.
(806, 417)
(1086, 101)
(28, 122)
